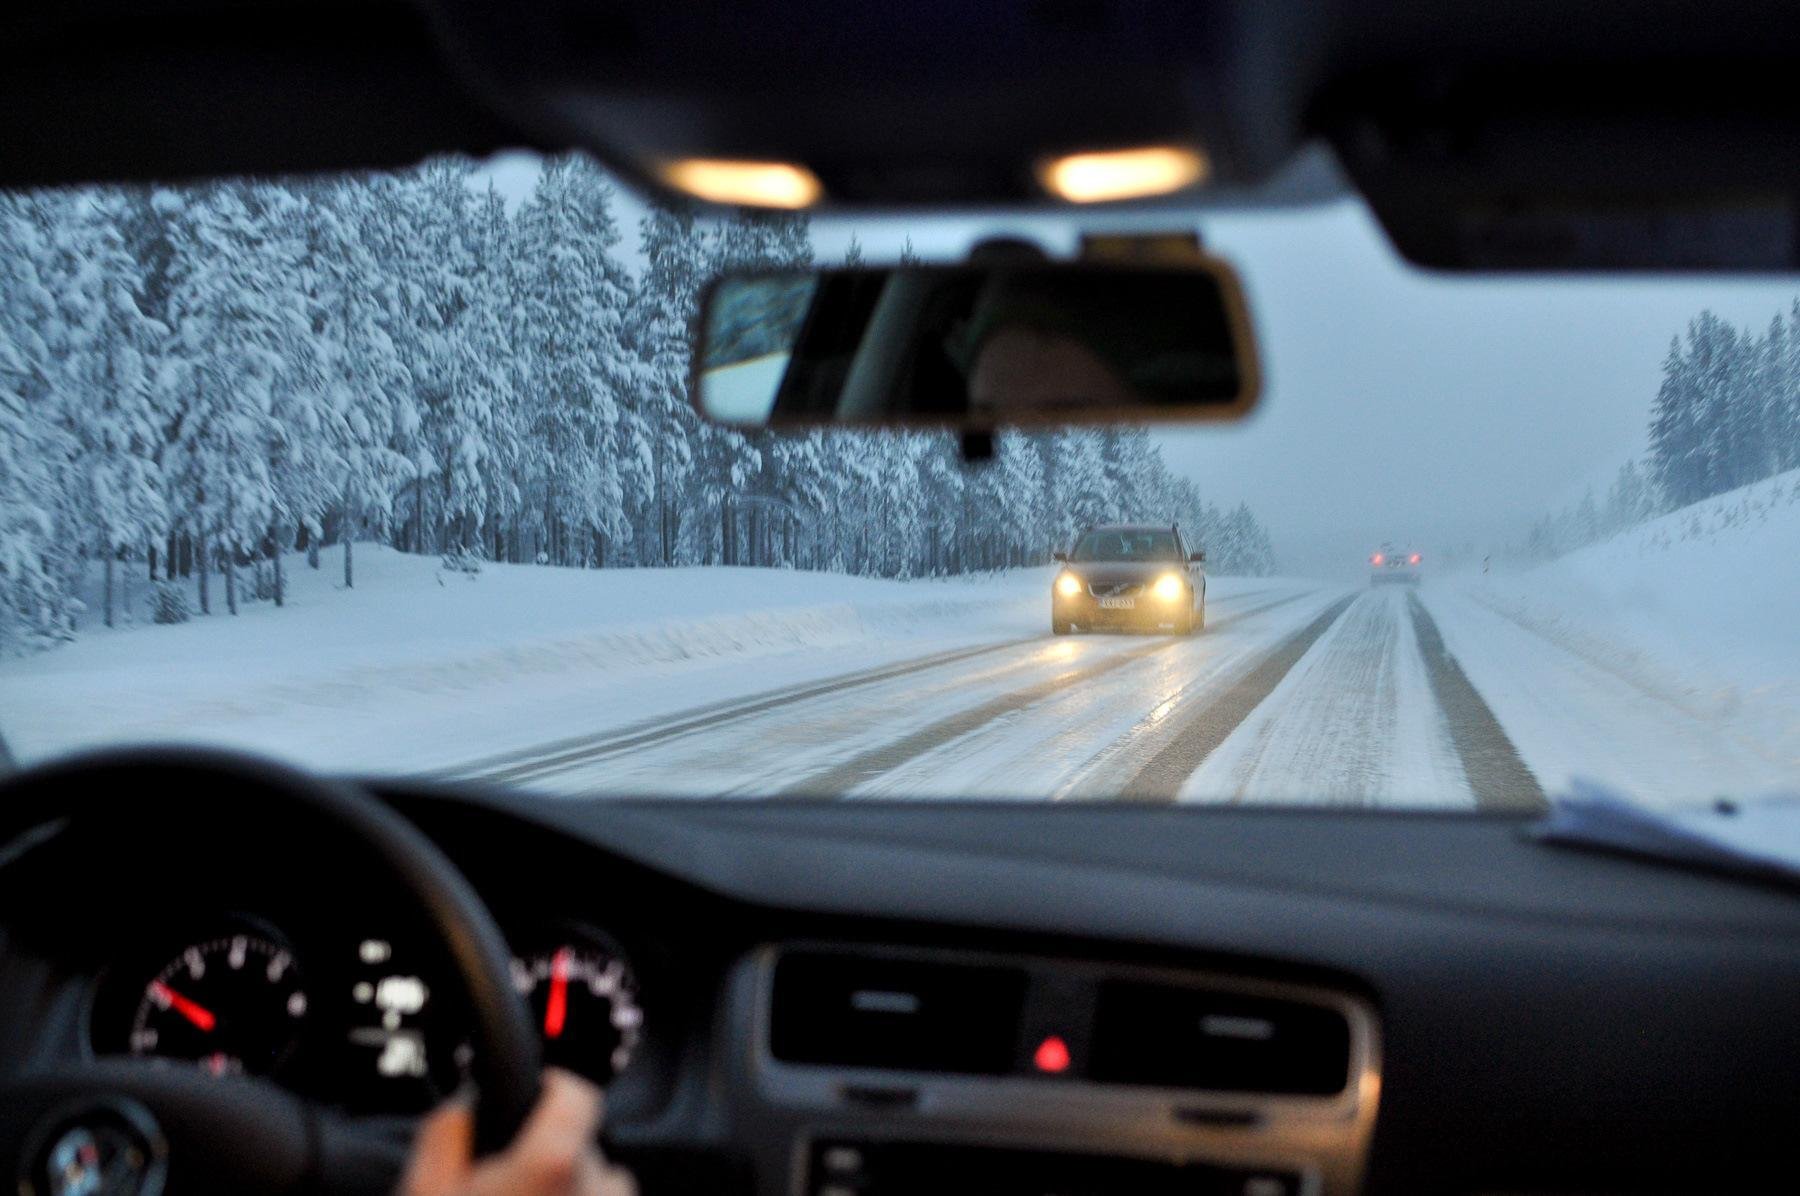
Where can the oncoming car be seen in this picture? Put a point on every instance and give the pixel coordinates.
(1399, 566)
(1129, 576)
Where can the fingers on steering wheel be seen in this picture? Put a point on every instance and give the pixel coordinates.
(443, 1152)
(554, 1154)
(558, 1138)
(556, 1149)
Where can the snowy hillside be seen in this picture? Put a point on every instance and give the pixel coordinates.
(1711, 578)
(1685, 626)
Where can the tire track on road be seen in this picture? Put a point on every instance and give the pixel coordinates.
(546, 759)
(910, 767)
(1162, 776)
(1496, 774)
(839, 779)
(543, 761)
(842, 778)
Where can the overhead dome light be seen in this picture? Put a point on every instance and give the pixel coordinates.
(1122, 174)
(750, 184)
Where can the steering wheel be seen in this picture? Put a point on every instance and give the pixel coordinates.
(179, 1131)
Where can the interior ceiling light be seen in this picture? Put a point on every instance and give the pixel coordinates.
(745, 183)
(1123, 174)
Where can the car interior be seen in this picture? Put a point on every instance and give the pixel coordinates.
(880, 997)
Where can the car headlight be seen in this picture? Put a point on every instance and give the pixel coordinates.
(1169, 587)
(1068, 585)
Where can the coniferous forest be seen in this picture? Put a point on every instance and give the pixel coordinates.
(196, 380)
(1726, 414)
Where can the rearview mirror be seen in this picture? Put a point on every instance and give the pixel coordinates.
(1197, 557)
(976, 346)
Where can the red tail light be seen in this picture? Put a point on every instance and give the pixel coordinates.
(1376, 559)
(1414, 558)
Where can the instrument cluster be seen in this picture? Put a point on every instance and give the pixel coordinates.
(363, 1019)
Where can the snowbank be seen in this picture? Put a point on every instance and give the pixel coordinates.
(1712, 589)
(1677, 645)
(438, 656)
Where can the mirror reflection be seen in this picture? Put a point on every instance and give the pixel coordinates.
(976, 345)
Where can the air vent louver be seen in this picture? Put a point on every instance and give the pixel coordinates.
(1192, 1038)
(866, 1011)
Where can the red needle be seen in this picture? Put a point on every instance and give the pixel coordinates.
(201, 1017)
(556, 1009)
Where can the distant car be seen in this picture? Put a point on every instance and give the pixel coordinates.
(1128, 575)
(1390, 565)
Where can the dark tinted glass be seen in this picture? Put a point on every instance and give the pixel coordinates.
(1127, 546)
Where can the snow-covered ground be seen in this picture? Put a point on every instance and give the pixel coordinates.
(1665, 662)
(419, 666)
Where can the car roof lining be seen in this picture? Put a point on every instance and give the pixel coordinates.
(1517, 134)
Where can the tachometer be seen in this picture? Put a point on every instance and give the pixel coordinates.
(584, 999)
(233, 1004)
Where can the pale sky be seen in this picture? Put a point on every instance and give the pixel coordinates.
(1399, 405)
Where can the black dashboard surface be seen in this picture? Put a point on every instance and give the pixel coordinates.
(1550, 1021)
(1553, 1020)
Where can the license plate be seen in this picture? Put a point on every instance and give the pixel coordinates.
(1118, 603)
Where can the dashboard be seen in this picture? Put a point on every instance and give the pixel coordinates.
(826, 999)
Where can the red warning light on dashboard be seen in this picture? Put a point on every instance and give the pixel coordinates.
(1052, 1056)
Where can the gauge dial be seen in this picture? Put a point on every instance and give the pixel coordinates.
(233, 1004)
(584, 999)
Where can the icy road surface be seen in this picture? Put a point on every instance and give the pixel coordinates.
(1294, 692)
(1665, 663)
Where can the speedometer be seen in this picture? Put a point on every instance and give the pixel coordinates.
(232, 1004)
(584, 999)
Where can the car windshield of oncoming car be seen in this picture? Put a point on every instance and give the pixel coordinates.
(397, 474)
(1111, 545)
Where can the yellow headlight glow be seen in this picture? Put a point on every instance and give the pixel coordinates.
(1169, 587)
(1068, 585)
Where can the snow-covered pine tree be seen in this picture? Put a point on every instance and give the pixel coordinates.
(1010, 491)
(571, 342)
(488, 375)
(1630, 500)
(108, 347)
(230, 371)
(1719, 357)
(1675, 430)
(1784, 413)
(366, 397)
(1075, 474)
(39, 563)
(657, 332)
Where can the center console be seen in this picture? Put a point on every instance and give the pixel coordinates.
(876, 1071)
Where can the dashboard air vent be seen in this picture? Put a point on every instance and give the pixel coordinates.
(1173, 1037)
(867, 1011)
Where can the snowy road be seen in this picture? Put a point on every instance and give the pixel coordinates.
(1294, 692)
(1632, 664)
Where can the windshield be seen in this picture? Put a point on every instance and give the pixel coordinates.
(1114, 544)
(396, 474)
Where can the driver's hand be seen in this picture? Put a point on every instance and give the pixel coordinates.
(555, 1153)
